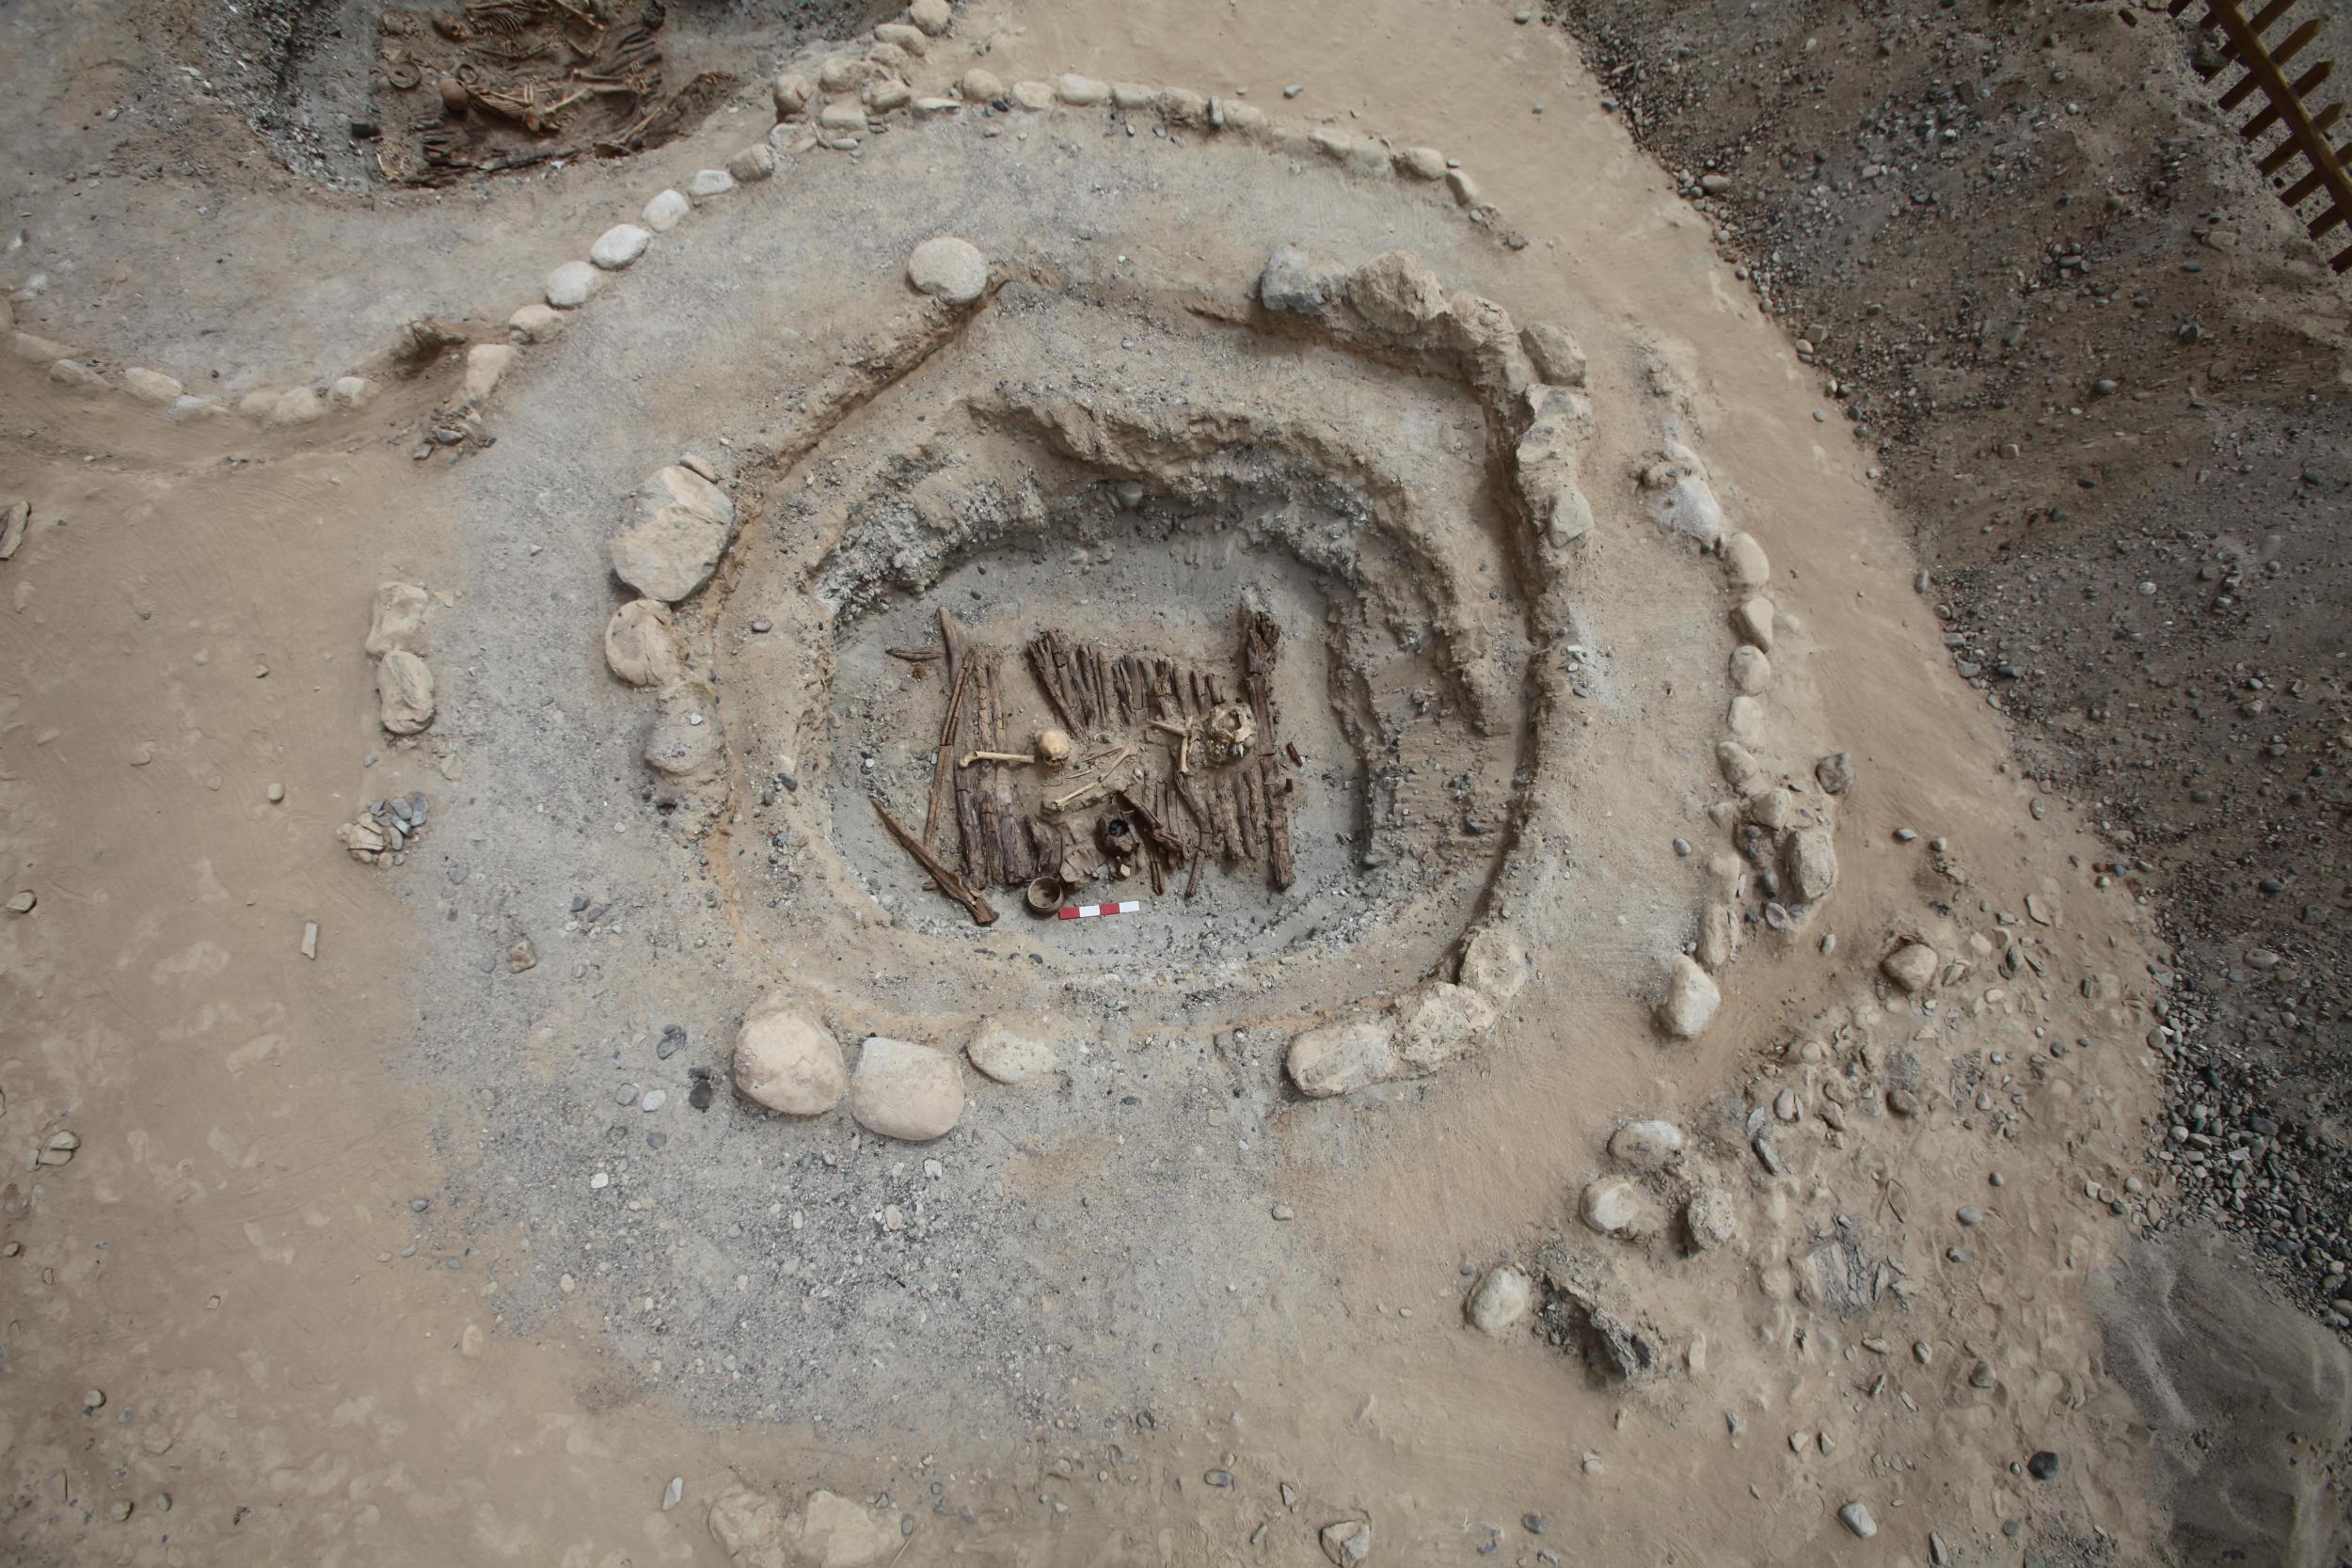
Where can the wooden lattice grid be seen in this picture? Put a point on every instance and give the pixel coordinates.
(2287, 104)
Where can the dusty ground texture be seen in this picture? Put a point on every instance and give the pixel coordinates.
(2103, 374)
(402, 1212)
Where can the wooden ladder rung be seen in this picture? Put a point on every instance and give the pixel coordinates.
(2278, 57)
(2288, 151)
(2259, 25)
(2307, 83)
(2303, 189)
(2294, 43)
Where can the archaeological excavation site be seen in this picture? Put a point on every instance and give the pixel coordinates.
(1033, 782)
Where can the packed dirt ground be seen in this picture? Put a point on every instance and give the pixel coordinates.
(1700, 634)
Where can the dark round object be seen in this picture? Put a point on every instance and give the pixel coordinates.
(1043, 894)
(2043, 1466)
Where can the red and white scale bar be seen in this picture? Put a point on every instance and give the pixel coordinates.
(1089, 911)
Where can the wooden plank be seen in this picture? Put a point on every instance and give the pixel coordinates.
(943, 765)
(1012, 860)
(1252, 815)
(968, 823)
(1228, 821)
(1048, 679)
(943, 876)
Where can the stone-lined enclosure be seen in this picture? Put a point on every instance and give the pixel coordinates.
(1004, 466)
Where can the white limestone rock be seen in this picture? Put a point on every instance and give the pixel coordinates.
(569, 286)
(640, 645)
(1438, 1022)
(1558, 359)
(1496, 964)
(904, 1091)
(1745, 560)
(1612, 1206)
(397, 620)
(1501, 1301)
(680, 526)
(1691, 999)
(948, 268)
(1811, 862)
(151, 386)
(786, 1059)
(752, 164)
(1011, 1053)
(619, 245)
(486, 365)
(1646, 1144)
(1337, 1058)
(1397, 293)
(404, 689)
(666, 210)
(1912, 966)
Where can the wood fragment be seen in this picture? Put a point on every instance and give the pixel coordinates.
(1246, 803)
(939, 770)
(1282, 868)
(931, 654)
(1013, 861)
(1228, 821)
(1155, 829)
(1049, 678)
(1191, 799)
(941, 873)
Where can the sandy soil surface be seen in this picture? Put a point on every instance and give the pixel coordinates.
(421, 1206)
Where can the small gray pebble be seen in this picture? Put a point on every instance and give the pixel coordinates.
(1971, 1216)
(419, 1205)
